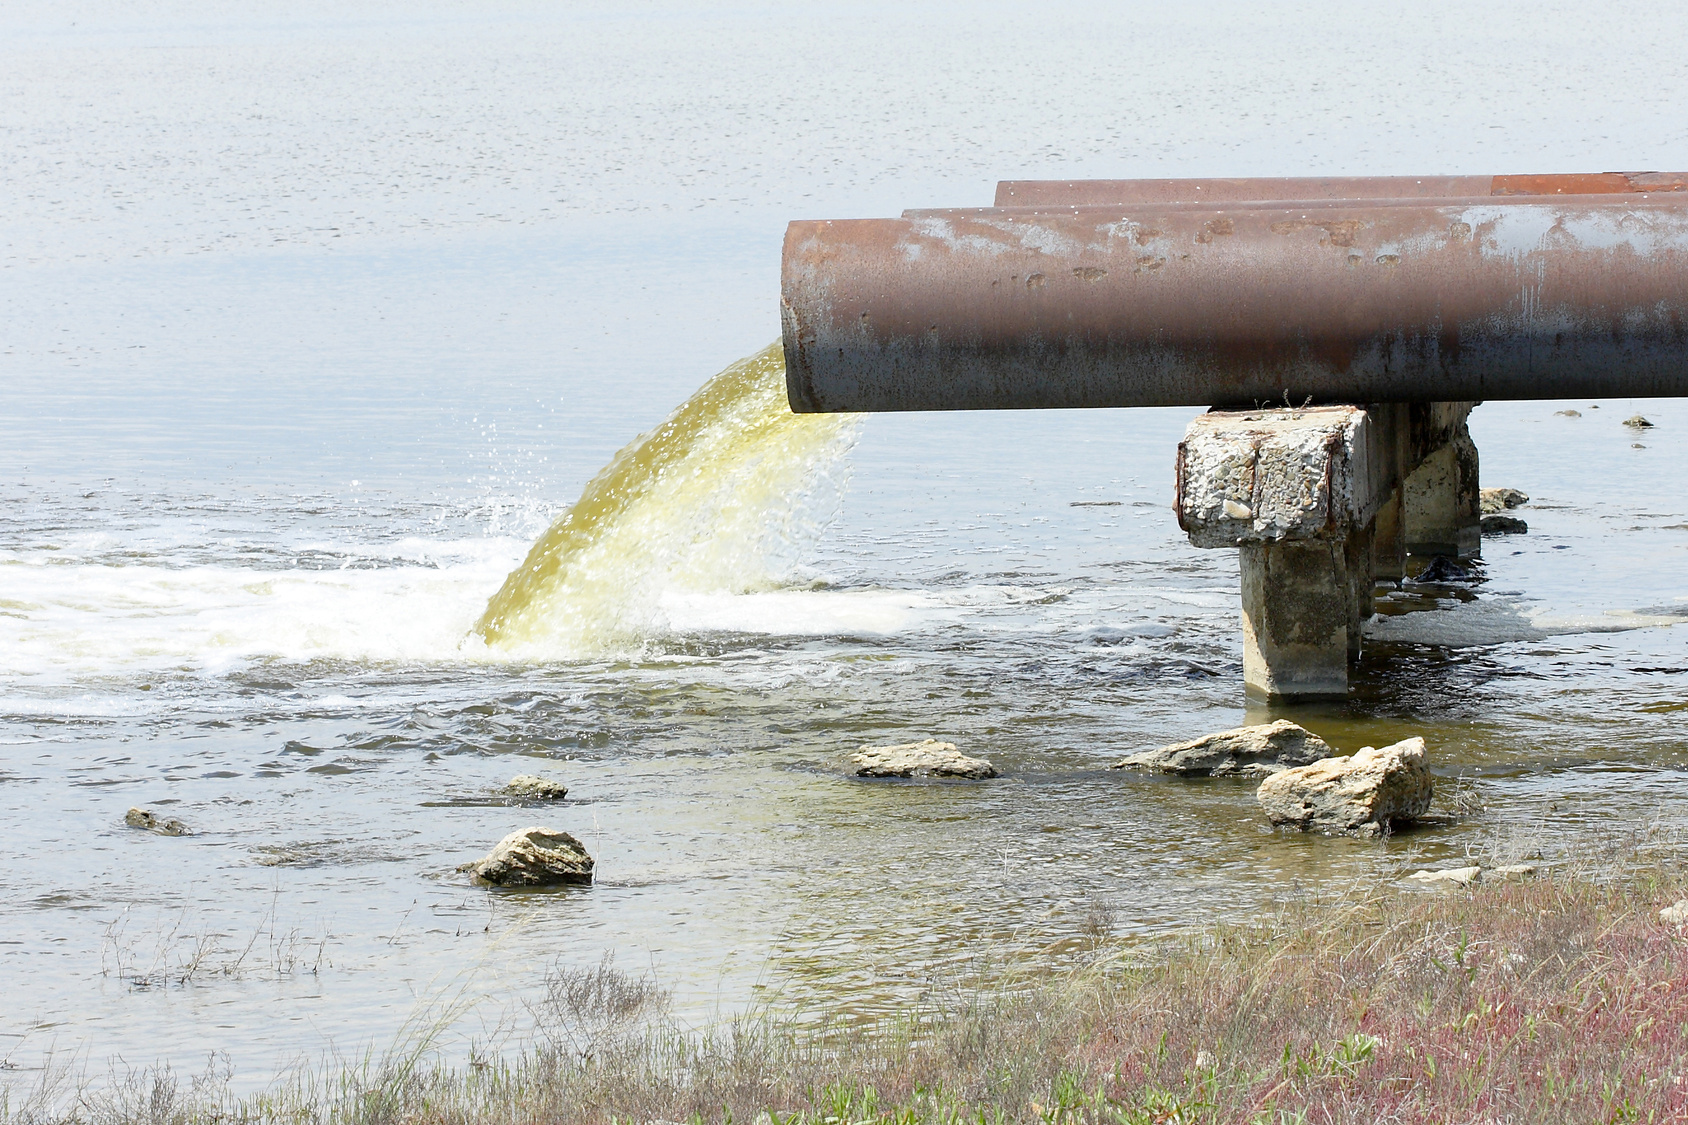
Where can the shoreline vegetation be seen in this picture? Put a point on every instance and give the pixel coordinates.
(1558, 998)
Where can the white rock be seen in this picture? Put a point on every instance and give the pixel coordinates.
(1676, 913)
(533, 857)
(1365, 793)
(928, 758)
(1515, 871)
(1452, 876)
(530, 788)
(1256, 751)
(1495, 500)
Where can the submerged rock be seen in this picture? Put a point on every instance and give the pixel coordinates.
(164, 826)
(928, 758)
(534, 857)
(1255, 751)
(1365, 794)
(1504, 525)
(1444, 570)
(1448, 877)
(1501, 499)
(530, 788)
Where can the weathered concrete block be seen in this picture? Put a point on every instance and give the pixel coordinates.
(1321, 501)
(1271, 476)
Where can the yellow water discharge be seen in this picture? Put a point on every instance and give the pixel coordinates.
(720, 498)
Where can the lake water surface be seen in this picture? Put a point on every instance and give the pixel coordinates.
(313, 325)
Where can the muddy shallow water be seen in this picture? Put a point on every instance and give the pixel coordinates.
(332, 794)
(257, 495)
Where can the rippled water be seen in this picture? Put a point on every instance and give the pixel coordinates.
(258, 496)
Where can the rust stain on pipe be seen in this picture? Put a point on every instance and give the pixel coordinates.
(1144, 305)
(1085, 193)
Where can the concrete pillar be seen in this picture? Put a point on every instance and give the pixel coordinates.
(1441, 509)
(1320, 501)
(1297, 616)
(1389, 546)
(1357, 561)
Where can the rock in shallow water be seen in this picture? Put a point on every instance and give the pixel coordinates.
(1501, 499)
(1365, 794)
(530, 788)
(163, 826)
(1256, 751)
(1448, 877)
(1466, 876)
(1443, 570)
(1504, 525)
(534, 857)
(929, 758)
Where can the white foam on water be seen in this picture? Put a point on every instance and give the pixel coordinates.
(89, 618)
(1501, 620)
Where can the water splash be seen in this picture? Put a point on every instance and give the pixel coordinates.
(722, 497)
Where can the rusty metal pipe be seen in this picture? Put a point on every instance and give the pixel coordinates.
(1498, 298)
(1302, 205)
(1081, 193)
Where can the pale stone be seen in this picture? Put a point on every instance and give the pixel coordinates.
(530, 788)
(1246, 751)
(1515, 871)
(1637, 422)
(163, 826)
(1676, 913)
(1453, 876)
(1501, 499)
(532, 857)
(1366, 793)
(928, 758)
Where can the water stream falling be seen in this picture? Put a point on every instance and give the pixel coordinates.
(722, 497)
